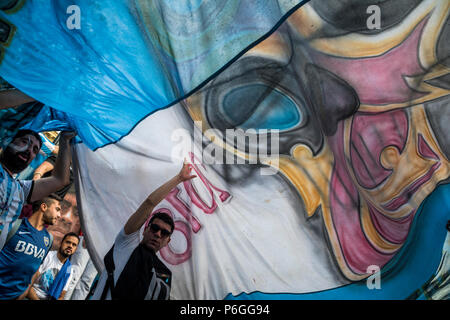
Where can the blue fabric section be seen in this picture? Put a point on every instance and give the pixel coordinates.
(412, 267)
(128, 58)
(13, 119)
(60, 280)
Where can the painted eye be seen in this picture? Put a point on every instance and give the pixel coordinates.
(259, 106)
(260, 93)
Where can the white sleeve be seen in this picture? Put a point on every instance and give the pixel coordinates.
(127, 240)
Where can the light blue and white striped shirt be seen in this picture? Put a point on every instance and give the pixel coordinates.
(13, 195)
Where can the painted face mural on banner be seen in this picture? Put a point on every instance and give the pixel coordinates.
(363, 144)
(354, 93)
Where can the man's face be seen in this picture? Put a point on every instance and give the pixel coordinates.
(52, 212)
(68, 246)
(20, 152)
(69, 221)
(157, 240)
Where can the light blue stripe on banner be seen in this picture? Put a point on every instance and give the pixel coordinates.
(98, 81)
(122, 66)
(410, 269)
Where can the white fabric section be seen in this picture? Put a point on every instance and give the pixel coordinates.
(79, 261)
(48, 271)
(83, 286)
(257, 240)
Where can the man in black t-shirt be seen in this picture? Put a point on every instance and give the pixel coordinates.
(133, 270)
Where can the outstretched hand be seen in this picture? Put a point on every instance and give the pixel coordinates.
(185, 173)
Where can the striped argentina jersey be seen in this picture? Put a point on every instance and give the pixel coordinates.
(13, 195)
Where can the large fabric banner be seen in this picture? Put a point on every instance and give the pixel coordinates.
(320, 144)
(361, 144)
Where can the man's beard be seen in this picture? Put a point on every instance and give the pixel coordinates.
(11, 160)
(48, 221)
(62, 253)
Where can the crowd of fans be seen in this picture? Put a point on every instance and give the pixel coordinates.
(43, 251)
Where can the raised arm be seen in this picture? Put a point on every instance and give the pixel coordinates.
(141, 215)
(61, 173)
(45, 167)
(13, 98)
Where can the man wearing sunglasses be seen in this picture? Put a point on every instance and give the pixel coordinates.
(132, 269)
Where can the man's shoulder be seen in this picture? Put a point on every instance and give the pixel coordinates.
(126, 240)
(124, 245)
(20, 183)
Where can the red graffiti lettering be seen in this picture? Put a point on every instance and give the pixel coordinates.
(195, 197)
(183, 208)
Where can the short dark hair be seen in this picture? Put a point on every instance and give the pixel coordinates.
(47, 200)
(70, 234)
(164, 217)
(24, 132)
